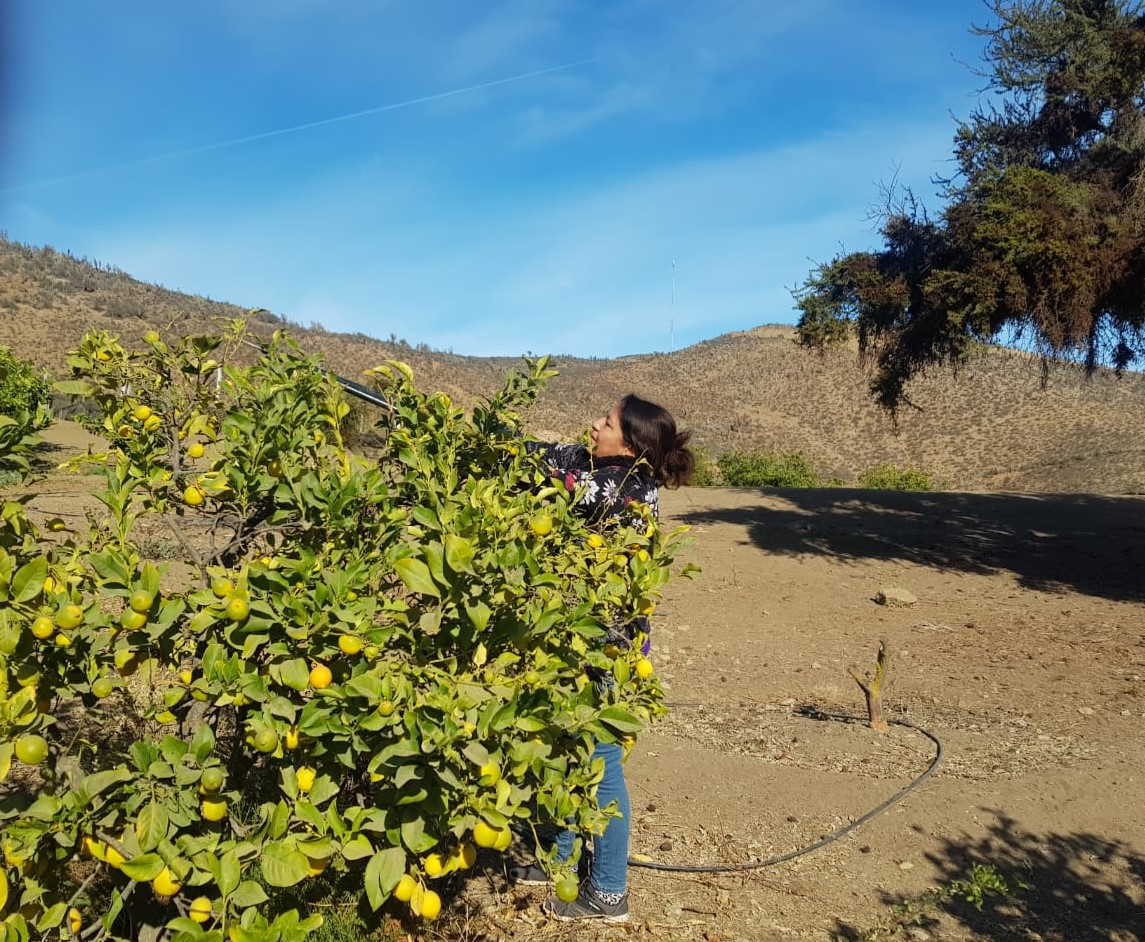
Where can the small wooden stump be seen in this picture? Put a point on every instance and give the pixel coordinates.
(874, 687)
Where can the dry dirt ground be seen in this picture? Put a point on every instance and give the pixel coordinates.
(1024, 655)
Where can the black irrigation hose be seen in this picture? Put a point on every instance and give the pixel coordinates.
(830, 838)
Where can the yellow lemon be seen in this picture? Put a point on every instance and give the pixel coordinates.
(213, 810)
(349, 644)
(222, 588)
(430, 905)
(196, 450)
(644, 668)
(466, 855)
(595, 540)
(305, 777)
(114, 857)
(484, 835)
(504, 839)
(404, 890)
(320, 677)
(165, 885)
(434, 864)
(292, 739)
(75, 920)
(542, 524)
(200, 909)
(153, 423)
(43, 628)
(194, 496)
(490, 773)
(141, 413)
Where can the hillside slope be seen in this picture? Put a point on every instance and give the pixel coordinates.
(993, 426)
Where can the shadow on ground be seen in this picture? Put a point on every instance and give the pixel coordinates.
(1078, 888)
(1072, 542)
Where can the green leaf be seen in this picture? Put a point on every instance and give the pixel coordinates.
(459, 553)
(383, 872)
(248, 894)
(230, 873)
(151, 825)
(619, 720)
(143, 867)
(29, 580)
(415, 574)
(357, 848)
(203, 742)
(367, 686)
(282, 865)
(413, 830)
(479, 614)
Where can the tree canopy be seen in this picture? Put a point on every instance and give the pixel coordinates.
(1043, 231)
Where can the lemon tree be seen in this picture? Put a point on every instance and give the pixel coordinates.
(371, 664)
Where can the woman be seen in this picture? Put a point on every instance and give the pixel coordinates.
(636, 449)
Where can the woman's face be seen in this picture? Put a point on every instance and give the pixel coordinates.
(607, 439)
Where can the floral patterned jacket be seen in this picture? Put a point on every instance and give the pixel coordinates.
(606, 485)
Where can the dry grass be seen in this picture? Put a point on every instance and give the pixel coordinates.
(990, 427)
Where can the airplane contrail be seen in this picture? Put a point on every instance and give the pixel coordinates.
(235, 142)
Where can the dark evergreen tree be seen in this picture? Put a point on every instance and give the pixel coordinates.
(1043, 230)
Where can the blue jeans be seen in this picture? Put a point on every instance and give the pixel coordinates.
(610, 849)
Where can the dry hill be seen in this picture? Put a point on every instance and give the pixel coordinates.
(992, 427)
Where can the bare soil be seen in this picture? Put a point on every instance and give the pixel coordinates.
(1024, 655)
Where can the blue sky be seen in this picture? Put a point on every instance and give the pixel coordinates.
(489, 178)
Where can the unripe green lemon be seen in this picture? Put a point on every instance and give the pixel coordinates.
(542, 524)
(102, 687)
(212, 779)
(266, 740)
(31, 749)
(568, 890)
(349, 644)
(131, 620)
(222, 588)
(69, 617)
(141, 601)
(238, 609)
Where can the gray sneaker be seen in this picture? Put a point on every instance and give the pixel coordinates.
(530, 875)
(588, 905)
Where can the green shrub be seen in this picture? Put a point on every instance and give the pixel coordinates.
(22, 389)
(767, 469)
(705, 472)
(889, 477)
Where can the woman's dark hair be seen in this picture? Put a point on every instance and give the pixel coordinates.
(650, 431)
